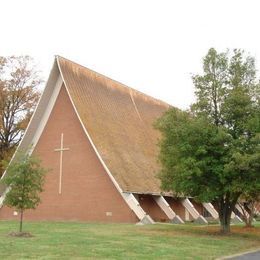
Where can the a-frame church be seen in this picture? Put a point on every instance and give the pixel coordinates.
(97, 138)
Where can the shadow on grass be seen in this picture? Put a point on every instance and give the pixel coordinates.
(20, 234)
(237, 231)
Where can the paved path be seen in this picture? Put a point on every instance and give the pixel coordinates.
(248, 256)
(254, 255)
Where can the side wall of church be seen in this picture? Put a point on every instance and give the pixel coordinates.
(176, 206)
(150, 206)
(198, 207)
(88, 194)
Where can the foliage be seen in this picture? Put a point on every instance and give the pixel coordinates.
(212, 152)
(18, 97)
(24, 179)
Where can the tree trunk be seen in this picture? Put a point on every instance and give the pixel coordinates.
(225, 211)
(249, 208)
(225, 223)
(21, 221)
(226, 207)
(249, 223)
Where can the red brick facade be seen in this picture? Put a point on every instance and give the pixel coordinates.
(88, 194)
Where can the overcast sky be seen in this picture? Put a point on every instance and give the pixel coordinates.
(152, 46)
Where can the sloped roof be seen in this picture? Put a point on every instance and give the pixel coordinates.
(120, 122)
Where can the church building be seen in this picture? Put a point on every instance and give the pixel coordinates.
(96, 136)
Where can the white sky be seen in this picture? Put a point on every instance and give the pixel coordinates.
(152, 46)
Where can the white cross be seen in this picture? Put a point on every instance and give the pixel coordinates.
(61, 149)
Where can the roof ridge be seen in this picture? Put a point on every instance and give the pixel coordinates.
(120, 84)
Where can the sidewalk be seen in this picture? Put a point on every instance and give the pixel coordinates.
(250, 255)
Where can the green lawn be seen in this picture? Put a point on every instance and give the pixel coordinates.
(123, 241)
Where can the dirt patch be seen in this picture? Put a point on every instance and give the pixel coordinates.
(20, 234)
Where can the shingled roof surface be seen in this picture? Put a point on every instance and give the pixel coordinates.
(119, 121)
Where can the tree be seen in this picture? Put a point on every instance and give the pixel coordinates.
(18, 97)
(248, 204)
(212, 151)
(24, 179)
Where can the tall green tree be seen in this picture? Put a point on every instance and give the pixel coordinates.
(212, 151)
(24, 178)
(19, 81)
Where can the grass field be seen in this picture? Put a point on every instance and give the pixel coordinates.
(123, 241)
